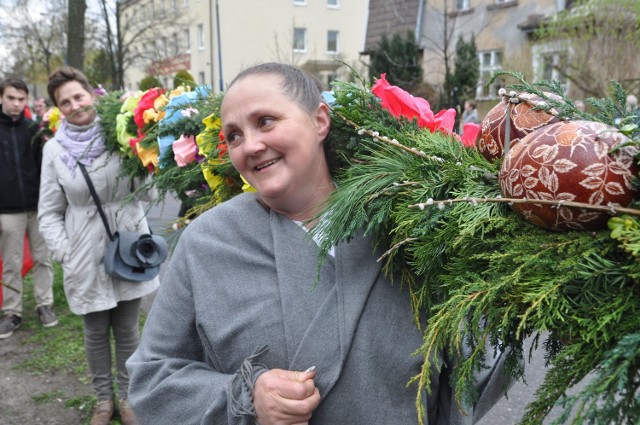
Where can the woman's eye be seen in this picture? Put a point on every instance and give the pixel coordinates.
(264, 121)
(232, 139)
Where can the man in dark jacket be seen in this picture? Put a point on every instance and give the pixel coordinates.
(20, 157)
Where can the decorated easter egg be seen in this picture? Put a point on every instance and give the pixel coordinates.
(524, 119)
(569, 162)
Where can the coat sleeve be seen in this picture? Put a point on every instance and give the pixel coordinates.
(52, 206)
(172, 378)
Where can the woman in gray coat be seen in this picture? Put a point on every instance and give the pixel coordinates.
(76, 237)
(241, 333)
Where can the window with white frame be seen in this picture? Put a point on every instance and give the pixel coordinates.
(332, 42)
(550, 65)
(299, 39)
(200, 36)
(490, 61)
(333, 3)
(187, 41)
(152, 10)
(300, 2)
(176, 44)
(200, 77)
(463, 5)
(165, 51)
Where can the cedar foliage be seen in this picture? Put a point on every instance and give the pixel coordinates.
(485, 279)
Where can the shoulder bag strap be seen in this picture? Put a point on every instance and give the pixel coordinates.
(94, 195)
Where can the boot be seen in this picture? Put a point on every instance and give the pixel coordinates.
(127, 417)
(103, 413)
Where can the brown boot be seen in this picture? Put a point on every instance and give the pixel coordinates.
(127, 417)
(103, 413)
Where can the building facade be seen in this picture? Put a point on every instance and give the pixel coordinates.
(502, 29)
(215, 39)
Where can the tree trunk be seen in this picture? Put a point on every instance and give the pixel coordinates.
(75, 34)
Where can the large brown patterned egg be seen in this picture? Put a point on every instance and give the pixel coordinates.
(569, 161)
(524, 120)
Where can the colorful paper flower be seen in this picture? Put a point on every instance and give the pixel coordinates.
(53, 116)
(148, 156)
(122, 133)
(145, 103)
(184, 150)
(403, 104)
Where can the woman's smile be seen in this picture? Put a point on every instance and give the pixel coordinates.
(267, 164)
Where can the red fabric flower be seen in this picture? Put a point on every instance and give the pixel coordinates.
(470, 134)
(402, 104)
(146, 102)
(134, 142)
(223, 148)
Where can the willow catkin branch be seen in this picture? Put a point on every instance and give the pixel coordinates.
(612, 209)
(390, 250)
(385, 139)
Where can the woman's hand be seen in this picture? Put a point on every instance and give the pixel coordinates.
(285, 397)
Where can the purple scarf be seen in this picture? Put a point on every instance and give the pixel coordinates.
(82, 144)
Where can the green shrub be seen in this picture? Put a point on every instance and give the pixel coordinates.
(184, 78)
(149, 82)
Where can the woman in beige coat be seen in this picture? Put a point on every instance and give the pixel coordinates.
(76, 236)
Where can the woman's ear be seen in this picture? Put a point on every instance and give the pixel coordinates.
(323, 121)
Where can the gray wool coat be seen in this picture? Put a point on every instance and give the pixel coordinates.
(74, 232)
(239, 298)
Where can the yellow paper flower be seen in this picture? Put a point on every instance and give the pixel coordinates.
(176, 92)
(213, 180)
(212, 122)
(246, 187)
(150, 115)
(160, 102)
(53, 117)
(147, 155)
(203, 140)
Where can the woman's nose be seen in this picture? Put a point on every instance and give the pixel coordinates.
(253, 143)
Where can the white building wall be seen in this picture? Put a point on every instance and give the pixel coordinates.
(254, 31)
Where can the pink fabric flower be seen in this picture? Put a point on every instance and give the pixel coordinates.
(184, 150)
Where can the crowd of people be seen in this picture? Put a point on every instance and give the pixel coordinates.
(241, 331)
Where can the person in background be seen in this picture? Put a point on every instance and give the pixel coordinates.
(241, 332)
(40, 106)
(20, 158)
(470, 113)
(76, 236)
(632, 106)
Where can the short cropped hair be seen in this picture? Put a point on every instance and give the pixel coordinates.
(16, 83)
(65, 75)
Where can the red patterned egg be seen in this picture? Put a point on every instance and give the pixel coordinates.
(524, 120)
(569, 161)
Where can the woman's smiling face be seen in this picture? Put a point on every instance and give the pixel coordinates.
(75, 103)
(277, 145)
